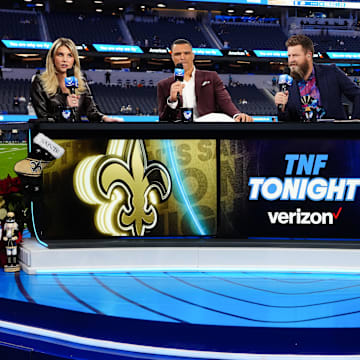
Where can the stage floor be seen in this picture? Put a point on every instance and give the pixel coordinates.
(203, 314)
(219, 298)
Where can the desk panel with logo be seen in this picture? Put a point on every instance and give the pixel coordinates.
(291, 188)
(130, 188)
(207, 184)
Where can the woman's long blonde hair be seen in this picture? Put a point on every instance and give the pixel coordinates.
(49, 78)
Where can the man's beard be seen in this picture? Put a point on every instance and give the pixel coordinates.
(298, 73)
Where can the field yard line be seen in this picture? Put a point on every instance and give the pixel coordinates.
(12, 150)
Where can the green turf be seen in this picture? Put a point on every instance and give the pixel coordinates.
(9, 155)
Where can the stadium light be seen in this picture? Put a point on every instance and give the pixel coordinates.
(27, 55)
(117, 58)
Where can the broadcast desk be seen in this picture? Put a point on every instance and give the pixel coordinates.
(191, 188)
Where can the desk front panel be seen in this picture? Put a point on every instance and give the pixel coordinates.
(203, 184)
(130, 188)
(290, 188)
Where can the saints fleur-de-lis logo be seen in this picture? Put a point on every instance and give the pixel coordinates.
(124, 186)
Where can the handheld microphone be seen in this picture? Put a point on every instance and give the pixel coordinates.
(179, 76)
(285, 81)
(71, 82)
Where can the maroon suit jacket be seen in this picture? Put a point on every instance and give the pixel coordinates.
(210, 92)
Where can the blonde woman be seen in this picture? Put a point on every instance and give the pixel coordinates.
(52, 100)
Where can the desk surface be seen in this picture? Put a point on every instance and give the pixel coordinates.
(198, 131)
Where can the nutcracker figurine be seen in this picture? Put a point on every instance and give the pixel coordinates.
(11, 237)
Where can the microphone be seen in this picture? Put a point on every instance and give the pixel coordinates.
(71, 83)
(179, 76)
(285, 81)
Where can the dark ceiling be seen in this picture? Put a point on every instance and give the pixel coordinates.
(112, 7)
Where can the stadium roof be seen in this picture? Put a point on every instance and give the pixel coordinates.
(113, 6)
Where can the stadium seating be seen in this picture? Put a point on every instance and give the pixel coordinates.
(113, 99)
(126, 97)
(163, 31)
(19, 26)
(251, 100)
(335, 43)
(117, 100)
(251, 36)
(9, 89)
(84, 29)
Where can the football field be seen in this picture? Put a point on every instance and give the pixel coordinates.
(9, 155)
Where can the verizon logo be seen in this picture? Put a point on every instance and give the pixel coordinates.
(299, 217)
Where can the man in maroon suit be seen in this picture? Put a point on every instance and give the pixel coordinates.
(203, 91)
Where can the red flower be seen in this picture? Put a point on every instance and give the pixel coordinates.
(9, 185)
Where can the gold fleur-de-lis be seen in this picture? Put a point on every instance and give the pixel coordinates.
(125, 187)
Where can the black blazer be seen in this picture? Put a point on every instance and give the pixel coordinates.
(332, 84)
(51, 107)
